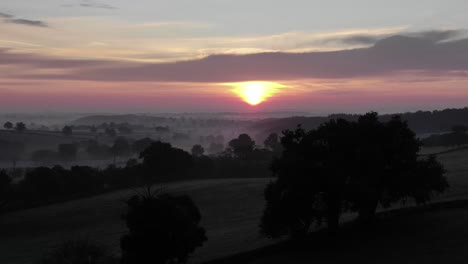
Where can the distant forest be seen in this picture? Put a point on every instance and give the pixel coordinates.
(420, 122)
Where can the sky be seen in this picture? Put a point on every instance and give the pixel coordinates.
(181, 56)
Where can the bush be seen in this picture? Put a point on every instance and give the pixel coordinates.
(162, 229)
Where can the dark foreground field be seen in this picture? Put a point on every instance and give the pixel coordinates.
(231, 210)
(430, 235)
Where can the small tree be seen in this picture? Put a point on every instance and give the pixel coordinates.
(197, 150)
(20, 127)
(67, 130)
(162, 229)
(93, 129)
(8, 125)
(120, 148)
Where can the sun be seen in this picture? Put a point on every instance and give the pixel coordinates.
(255, 92)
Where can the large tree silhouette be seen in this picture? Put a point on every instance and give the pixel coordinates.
(161, 159)
(162, 229)
(346, 166)
(242, 146)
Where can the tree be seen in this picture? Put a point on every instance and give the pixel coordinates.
(120, 148)
(124, 129)
(215, 148)
(20, 127)
(141, 144)
(346, 166)
(197, 150)
(242, 145)
(110, 132)
(67, 152)
(67, 130)
(162, 229)
(273, 144)
(8, 125)
(162, 159)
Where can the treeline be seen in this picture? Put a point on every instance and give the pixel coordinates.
(157, 162)
(420, 122)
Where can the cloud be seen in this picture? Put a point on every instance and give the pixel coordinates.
(8, 18)
(27, 22)
(411, 53)
(4, 15)
(93, 4)
(438, 35)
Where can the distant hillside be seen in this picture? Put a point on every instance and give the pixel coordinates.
(130, 118)
(421, 122)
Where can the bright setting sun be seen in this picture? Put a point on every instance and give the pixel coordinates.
(255, 92)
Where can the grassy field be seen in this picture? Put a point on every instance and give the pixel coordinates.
(427, 235)
(231, 210)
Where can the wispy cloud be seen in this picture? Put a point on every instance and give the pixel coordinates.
(8, 18)
(95, 4)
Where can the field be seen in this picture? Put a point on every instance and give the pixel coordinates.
(231, 210)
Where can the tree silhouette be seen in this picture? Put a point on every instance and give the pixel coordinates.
(139, 145)
(67, 130)
(121, 147)
(215, 148)
(242, 146)
(346, 166)
(20, 127)
(197, 150)
(273, 144)
(161, 159)
(162, 229)
(8, 125)
(124, 129)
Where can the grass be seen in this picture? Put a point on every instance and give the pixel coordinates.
(231, 209)
(429, 234)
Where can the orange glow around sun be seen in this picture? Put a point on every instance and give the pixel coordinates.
(255, 92)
